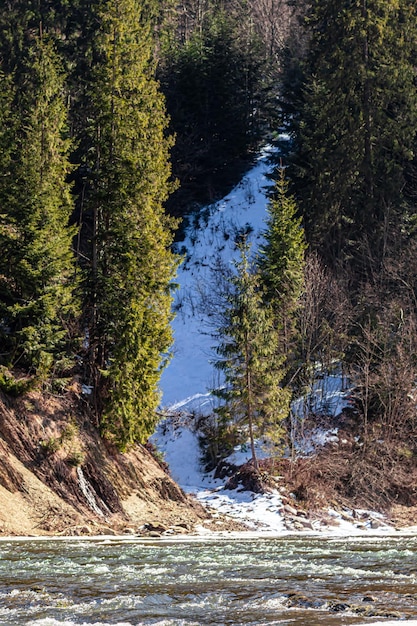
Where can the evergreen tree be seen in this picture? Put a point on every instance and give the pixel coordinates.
(131, 263)
(216, 97)
(355, 135)
(37, 274)
(248, 356)
(282, 258)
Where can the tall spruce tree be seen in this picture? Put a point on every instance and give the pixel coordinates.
(37, 274)
(282, 258)
(355, 135)
(131, 262)
(249, 357)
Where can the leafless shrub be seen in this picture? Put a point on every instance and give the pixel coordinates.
(383, 350)
(372, 477)
(324, 315)
(273, 20)
(323, 321)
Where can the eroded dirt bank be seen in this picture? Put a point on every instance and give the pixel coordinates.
(58, 477)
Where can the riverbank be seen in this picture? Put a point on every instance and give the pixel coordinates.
(57, 478)
(202, 534)
(278, 510)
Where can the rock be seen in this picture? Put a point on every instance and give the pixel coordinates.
(107, 531)
(365, 611)
(290, 509)
(373, 612)
(376, 523)
(80, 530)
(225, 470)
(154, 528)
(298, 600)
(369, 599)
(306, 523)
(180, 529)
(337, 607)
(183, 525)
(330, 521)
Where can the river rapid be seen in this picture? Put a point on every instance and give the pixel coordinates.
(287, 580)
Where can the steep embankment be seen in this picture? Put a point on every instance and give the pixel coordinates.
(58, 477)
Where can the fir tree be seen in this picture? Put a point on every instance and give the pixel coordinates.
(355, 134)
(248, 356)
(282, 258)
(131, 262)
(37, 274)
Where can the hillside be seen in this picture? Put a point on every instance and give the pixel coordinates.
(58, 477)
(331, 468)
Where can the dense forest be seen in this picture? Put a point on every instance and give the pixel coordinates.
(120, 118)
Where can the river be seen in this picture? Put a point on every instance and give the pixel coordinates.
(210, 580)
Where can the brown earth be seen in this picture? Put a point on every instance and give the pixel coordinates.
(57, 476)
(404, 516)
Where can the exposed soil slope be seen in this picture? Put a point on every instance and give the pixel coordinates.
(58, 477)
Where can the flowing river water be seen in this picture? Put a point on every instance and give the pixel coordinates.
(289, 580)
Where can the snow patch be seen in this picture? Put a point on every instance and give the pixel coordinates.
(89, 493)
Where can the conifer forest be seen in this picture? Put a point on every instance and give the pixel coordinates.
(119, 119)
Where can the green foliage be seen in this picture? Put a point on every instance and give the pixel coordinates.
(282, 258)
(68, 442)
(356, 126)
(14, 386)
(249, 357)
(37, 275)
(132, 265)
(217, 98)
(50, 445)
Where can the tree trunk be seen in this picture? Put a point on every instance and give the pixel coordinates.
(249, 408)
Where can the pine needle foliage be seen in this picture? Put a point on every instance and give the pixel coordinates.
(248, 355)
(132, 266)
(281, 258)
(37, 273)
(356, 128)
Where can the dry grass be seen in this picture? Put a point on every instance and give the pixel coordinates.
(376, 476)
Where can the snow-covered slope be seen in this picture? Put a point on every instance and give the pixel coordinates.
(187, 381)
(179, 443)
